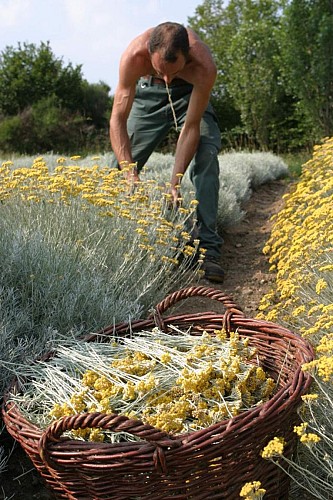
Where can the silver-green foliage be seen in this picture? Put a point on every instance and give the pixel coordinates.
(63, 268)
(240, 173)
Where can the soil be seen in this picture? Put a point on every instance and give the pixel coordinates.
(247, 275)
(247, 279)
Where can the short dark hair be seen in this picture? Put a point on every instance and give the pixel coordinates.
(170, 39)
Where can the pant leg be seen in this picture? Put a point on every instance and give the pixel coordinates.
(148, 122)
(204, 174)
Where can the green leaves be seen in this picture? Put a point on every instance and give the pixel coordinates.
(46, 105)
(307, 60)
(275, 69)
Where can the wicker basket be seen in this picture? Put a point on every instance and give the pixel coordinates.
(213, 463)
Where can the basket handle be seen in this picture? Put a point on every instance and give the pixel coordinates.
(199, 291)
(113, 422)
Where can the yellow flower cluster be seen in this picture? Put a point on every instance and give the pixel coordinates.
(308, 438)
(177, 383)
(300, 249)
(252, 491)
(274, 448)
(323, 367)
(140, 209)
(323, 364)
(310, 397)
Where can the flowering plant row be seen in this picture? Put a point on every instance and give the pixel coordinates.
(80, 245)
(300, 250)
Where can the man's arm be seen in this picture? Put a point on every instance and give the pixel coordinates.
(123, 100)
(189, 138)
(122, 104)
(202, 74)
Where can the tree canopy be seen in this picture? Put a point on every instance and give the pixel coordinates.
(274, 88)
(47, 105)
(275, 68)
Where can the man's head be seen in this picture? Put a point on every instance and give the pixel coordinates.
(169, 49)
(170, 40)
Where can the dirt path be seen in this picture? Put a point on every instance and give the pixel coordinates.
(247, 280)
(247, 276)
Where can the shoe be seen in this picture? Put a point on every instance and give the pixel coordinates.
(213, 270)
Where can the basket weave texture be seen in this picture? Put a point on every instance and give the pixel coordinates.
(213, 463)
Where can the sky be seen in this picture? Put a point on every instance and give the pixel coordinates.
(91, 33)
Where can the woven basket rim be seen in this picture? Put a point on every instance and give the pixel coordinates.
(73, 467)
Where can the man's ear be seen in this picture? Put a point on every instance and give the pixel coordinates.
(147, 45)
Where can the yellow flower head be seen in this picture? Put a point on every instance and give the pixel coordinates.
(274, 448)
(252, 491)
(310, 438)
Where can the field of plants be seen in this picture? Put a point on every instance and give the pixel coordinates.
(300, 250)
(81, 249)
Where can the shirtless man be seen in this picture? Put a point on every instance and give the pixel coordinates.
(172, 56)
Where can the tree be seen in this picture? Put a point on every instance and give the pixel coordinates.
(252, 104)
(307, 61)
(30, 73)
(97, 103)
(44, 126)
(45, 105)
(254, 79)
(216, 25)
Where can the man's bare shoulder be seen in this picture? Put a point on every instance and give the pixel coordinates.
(201, 68)
(135, 59)
(199, 50)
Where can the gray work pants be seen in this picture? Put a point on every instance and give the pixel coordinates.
(149, 122)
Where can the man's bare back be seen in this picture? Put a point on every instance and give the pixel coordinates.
(199, 68)
(192, 62)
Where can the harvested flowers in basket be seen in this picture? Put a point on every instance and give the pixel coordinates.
(186, 374)
(176, 382)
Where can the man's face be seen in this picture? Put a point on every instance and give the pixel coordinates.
(166, 70)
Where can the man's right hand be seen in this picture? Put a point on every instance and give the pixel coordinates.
(175, 193)
(132, 176)
(130, 173)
